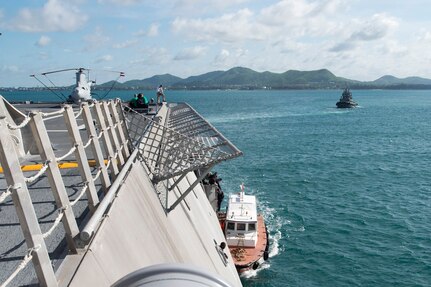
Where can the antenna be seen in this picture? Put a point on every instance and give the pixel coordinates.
(62, 97)
(121, 74)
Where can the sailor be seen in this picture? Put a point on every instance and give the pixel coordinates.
(220, 197)
(160, 94)
(141, 101)
(132, 102)
(214, 179)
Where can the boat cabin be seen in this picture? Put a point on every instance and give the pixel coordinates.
(241, 221)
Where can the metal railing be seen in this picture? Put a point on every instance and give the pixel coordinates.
(106, 136)
(184, 142)
(114, 140)
(177, 149)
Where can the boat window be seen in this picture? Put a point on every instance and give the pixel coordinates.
(251, 226)
(231, 226)
(240, 226)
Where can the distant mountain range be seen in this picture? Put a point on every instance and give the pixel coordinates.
(244, 78)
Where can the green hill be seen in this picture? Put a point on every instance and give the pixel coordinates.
(108, 85)
(154, 81)
(245, 78)
(391, 80)
(240, 77)
(207, 78)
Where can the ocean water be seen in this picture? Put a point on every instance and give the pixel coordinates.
(346, 193)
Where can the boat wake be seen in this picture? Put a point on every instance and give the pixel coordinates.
(245, 117)
(253, 273)
(274, 225)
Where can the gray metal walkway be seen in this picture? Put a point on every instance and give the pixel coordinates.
(60, 195)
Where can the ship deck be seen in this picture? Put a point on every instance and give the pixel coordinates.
(13, 246)
(179, 118)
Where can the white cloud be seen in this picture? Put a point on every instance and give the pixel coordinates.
(222, 57)
(105, 58)
(55, 15)
(43, 41)
(43, 55)
(196, 7)
(153, 30)
(295, 18)
(285, 45)
(152, 56)
(226, 59)
(287, 11)
(121, 2)
(190, 53)
(343, 46)
(378, 27)
(286, 18)
(228, 28)
(425, 36)
(140, 33)
(10, 69)
(95, 40)
(393, 49)
(126, 44)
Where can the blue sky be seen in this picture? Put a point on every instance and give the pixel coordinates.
(356, 39)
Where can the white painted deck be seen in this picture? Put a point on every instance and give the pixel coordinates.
(137, 233)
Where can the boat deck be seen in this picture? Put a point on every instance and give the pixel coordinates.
(244, 257)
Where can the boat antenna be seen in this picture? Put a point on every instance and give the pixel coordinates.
(60, 96)
(121, 74)
(241, 194)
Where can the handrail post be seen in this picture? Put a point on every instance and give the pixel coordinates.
(120, 131)
(95, 145)
(106, 140)
(47, 155)
(24, 208)
(81, 157)
(121, 113)
(112, 133)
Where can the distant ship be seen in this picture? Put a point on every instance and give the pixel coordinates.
(346, 100)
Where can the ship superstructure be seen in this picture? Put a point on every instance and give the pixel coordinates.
(346, 100)
(91, 193)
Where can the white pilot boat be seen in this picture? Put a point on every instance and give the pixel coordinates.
(245, 231)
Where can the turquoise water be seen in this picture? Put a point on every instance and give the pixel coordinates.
(346, 193)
